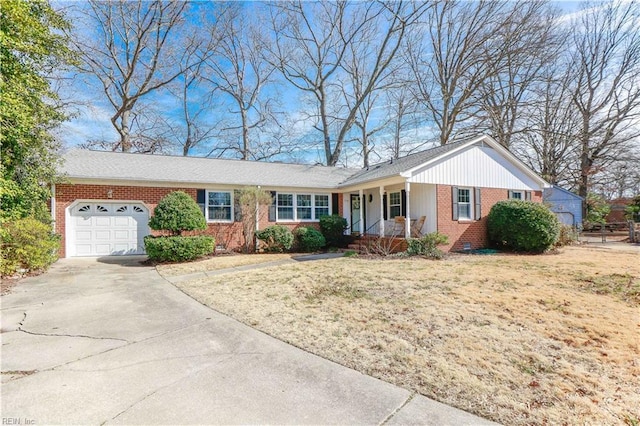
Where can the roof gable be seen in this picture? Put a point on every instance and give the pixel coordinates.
(411, 166)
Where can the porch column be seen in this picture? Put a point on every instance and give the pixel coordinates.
(360, 194)
(381, 227)
(407, 222)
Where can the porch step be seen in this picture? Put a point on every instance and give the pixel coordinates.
(373, 244)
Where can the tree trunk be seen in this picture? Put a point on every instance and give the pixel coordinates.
(125, 137)
(245, 133)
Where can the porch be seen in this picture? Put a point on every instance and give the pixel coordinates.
(397, 211)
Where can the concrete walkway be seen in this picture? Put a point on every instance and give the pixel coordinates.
(108, 340)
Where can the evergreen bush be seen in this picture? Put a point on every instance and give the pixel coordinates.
(427, 245)
(309, 239)
(27, 244)
(333, 227)
(277, 238)
(177, 212)
(522, 226)
(178, 248)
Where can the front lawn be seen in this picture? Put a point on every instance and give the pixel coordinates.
(218, 262)
(516, 339)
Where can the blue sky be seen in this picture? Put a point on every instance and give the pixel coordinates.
(91, 115)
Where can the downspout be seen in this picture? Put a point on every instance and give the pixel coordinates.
(53, 206)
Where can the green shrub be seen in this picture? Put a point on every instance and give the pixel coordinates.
(597, 208)
(333, 227)
(27, 244)
(177, 212)
(178, 248)
(427, 245)
(522, 226)
(567, 236)
(309, 239)
(632, 211)
(277, 238)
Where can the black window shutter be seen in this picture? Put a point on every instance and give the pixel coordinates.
(237, 214)
(454, 199)
(527, 195)
(201, 196)
(384, 207)
(334, 203)
(403, 200)
(272, 207)
(478, 201)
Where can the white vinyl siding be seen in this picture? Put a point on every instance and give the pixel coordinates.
(476, 167)
(301, 207)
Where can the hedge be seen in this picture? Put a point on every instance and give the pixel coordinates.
(333, 227)
(310, 239)
(27, 244)
(277, 238)
(522, 226)
(178, 248)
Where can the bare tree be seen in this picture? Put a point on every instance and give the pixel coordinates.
(527, 41)
(449, 59)
(402, 116)
(605, 64)
(312, 41)
(548, 143)
(238, 70)
(131, 52)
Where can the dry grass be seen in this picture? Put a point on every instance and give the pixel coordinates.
(517, 339)
(218, 262)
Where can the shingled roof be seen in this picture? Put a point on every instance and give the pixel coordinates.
(103, 165)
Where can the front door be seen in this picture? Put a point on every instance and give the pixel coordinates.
(356, 226)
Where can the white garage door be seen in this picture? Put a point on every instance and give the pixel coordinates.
(106, 229)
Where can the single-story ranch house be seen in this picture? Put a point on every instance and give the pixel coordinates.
(104, 205)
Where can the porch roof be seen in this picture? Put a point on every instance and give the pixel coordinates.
(397, 166)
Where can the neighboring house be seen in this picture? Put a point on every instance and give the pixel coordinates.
(618, 210)
(105, 204)
(565, 204)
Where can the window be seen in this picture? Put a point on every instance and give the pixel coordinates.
(301, 207)
(285, 206)
(464, 203)
(219, 206)
(101, 209)
(138, 209)
(322, 205)
(516, 195)
(395, 204)
(303, 210)
(467, 203)
(85, 208)
(121, 209)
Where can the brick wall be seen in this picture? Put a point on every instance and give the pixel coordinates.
(66, 194)
(469, 231)
(228, 235)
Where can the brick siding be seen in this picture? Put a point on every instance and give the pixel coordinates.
(469, 231)
(228, 235)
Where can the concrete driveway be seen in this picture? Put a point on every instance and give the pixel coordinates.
(107, 340)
